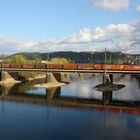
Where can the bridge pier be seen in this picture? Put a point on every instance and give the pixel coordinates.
(107, 79)
(6, 89)
(65, 77)
(5, 77)
(57, 77)
(50, 78)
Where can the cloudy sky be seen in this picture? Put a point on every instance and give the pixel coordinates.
(69, 25)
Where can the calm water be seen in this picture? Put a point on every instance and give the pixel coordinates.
(29, 113)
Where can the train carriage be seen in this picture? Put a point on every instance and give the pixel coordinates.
(114, 67)
(28, 66)
(99, 67)
(70, 66)
(132, 67)
(6, 65)
(41, 66)
(15, 65)
(55, 66)
(86, 66)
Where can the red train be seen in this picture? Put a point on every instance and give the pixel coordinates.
(73, 66)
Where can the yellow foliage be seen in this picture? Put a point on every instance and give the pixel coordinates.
(59, 60)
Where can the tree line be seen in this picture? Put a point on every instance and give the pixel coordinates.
(77, 57)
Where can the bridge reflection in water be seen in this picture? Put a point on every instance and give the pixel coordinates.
(52, 96)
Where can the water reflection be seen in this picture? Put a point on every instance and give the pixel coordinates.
(107, 96)
(137, 77)
(81, 89)
(56, 96)
(74, 111)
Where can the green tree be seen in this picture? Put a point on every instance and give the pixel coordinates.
(38, 60)
(18, 59)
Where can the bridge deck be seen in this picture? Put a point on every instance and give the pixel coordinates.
(71, 70)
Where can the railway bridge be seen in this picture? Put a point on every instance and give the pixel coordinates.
(55, 72)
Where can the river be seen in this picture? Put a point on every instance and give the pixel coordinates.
(73, 112)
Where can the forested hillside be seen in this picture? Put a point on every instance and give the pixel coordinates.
(84, 57)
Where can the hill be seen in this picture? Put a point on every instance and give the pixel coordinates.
(85, 57)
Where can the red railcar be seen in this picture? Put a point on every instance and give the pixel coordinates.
(28, 66)
(41, 66)
(135, 67)
(132, 67)
(15, 66)
(55, 66)
(6, 65)
(70, 66)
(114, 67)
(85, 66)
(98, 66)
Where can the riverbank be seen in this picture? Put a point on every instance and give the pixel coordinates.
(50, 85)
(37, 77)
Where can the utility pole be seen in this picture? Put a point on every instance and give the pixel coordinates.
(105, 62)
(47, 62)
(110, 59)
(1, 62)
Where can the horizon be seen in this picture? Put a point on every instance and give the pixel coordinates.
(91, 52)
(91, 25)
